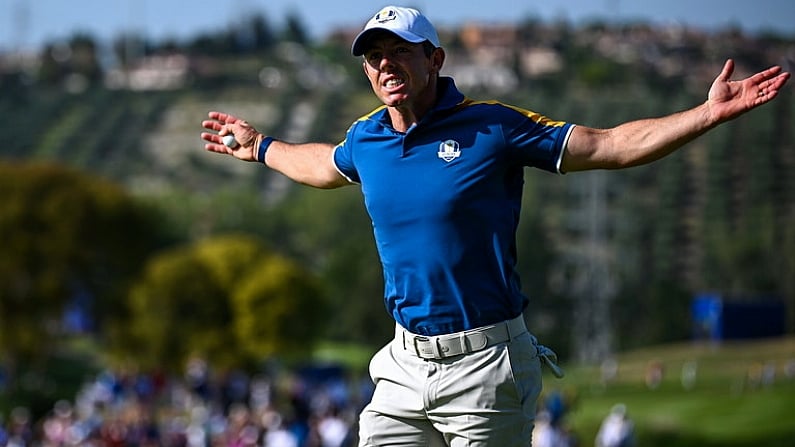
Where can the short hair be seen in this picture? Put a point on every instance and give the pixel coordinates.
(428, 48)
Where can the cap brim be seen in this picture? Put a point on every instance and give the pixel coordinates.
(360, 42)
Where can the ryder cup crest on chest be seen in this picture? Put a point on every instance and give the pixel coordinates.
(449, 150)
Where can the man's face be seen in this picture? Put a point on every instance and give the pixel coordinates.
(399, 72)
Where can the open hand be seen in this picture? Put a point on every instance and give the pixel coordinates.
(728, 99)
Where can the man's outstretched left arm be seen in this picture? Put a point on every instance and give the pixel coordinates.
(644, 141)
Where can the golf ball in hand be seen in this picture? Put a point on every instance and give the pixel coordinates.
(229, 141)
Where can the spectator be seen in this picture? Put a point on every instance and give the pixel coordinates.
(617, 430)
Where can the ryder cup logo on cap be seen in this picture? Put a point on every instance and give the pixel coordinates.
(385, 15)
(406, 23)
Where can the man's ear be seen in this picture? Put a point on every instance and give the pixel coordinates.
(437, 59)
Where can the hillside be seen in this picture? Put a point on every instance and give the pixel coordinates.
(624, 250)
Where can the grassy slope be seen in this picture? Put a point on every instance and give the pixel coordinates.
(727, 405)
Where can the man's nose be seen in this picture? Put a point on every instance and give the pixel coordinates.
(386, 61)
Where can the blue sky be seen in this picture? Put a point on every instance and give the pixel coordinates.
(29, 23)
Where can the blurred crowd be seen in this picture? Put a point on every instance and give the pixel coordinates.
(314, 407)
(553, 430)
(551, 425)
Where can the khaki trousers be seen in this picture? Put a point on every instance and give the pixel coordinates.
(481, 399)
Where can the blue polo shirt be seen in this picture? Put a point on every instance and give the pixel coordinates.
(444, 199)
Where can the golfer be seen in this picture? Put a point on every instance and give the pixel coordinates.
(441, 176)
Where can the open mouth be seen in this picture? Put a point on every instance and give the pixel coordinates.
(393, 83)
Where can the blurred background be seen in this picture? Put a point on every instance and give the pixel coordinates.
(152, 293)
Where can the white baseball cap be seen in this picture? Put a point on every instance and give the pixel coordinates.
(406, 23)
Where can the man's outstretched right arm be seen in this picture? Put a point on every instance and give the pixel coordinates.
(308, 163)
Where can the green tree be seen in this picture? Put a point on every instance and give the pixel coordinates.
(128, 47)
(332, 231)
(64, 234)
(294, 30)
(178, 310)
(259, 32)
(278, 310)
(78, 56)
(84, 60)
(227, 299)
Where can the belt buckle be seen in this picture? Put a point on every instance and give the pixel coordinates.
(416, 342)
(428, 352)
